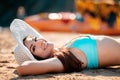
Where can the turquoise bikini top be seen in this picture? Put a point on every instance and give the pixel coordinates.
(88, 46)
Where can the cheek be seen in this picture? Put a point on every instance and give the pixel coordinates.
(39, 52)
(43, 53)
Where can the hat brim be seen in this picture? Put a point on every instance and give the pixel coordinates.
(20, 55)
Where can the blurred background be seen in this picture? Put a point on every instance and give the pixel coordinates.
(95, 16)
(9, 8)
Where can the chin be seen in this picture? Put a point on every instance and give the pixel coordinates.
(51, 45)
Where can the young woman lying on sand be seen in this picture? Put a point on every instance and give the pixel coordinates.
(40, 55)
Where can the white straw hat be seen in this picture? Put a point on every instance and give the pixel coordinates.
(20, 30)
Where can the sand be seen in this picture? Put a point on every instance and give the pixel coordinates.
(8, 63)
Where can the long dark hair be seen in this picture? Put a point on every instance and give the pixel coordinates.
(69, 61)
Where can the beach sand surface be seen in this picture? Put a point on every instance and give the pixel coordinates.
(8, 63)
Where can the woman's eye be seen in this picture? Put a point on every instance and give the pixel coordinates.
(35, 39)
(33, 48)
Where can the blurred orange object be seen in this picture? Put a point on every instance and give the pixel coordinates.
(66, 22)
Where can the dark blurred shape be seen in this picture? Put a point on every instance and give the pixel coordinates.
(9, 8)
(21, 13)
(108, 13)
(111, 19)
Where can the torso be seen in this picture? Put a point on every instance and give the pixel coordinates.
(105, 49)
(108, 51)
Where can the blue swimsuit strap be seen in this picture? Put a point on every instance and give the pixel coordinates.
(88, 46)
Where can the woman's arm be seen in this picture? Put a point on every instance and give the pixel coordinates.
(40, 67)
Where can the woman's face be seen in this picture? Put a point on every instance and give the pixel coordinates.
(39, 47)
